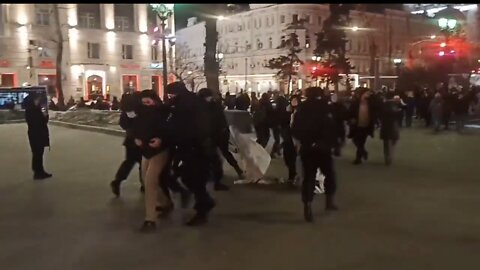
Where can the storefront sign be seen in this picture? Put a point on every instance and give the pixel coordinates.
(156, 65)
(4, 63)
(46, 64)
(130, 66)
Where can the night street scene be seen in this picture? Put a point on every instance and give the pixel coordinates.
(239, 136)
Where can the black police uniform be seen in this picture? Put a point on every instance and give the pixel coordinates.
(313, 126)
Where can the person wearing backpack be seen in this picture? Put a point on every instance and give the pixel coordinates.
(313, 126)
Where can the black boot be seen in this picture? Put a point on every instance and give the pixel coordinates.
(197, 220)
(148, 226)
(307, 212)
(115, 186)
(201, 217)
(221, 187)
(239, 172)
(329, 204)
(41, 175)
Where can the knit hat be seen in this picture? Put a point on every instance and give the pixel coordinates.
(176, 88)
(205, 92)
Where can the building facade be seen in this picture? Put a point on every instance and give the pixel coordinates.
(249, 39)
(107, 48)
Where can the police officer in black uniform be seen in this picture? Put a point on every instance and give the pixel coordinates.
(190, 129)
(128, 104)
(313, 126)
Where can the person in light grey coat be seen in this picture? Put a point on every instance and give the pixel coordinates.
(436, 110)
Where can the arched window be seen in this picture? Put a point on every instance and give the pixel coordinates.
(270, 43)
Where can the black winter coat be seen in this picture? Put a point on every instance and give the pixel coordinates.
(38, 134)
(389, 126)
(151, 122)
(313, 124)
(189, 123)
(220, 131)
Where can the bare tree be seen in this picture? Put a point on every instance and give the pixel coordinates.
(59, 58)
(187, 70)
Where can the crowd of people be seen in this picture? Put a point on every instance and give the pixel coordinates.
(178, 143)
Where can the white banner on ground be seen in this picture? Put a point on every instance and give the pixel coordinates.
(255, 158)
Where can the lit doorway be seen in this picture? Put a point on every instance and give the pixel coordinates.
(94, 87)
(130, 83)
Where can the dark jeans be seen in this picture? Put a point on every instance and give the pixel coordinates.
(132, 156)
(276, 130)
(37, 160)
(428, 119)
(289, 153)
(216, 167)
(388, 150)
(168, 180)
(408, 118)
(312, 160)
(194, 172)
(460, 121)
(223, 146)
(359, 139)
(263, 134)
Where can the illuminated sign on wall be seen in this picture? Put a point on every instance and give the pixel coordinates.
(156, 65)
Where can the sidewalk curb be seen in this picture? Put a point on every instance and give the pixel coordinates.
(108, 131)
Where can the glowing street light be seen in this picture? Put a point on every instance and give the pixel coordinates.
(164, 11)
(445, 23)
(355, 28)
(397, 61)
(441, 53)
(433, 37)
(443, 44)
(221, 18)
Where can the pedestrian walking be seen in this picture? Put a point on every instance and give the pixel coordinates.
(436, 111)
(389, 126)
(461, 107)
(150, 135)
(36, 117)
(261, 121)
(221, 137)
(339, 112)
(133, 155)
(362, 122)
(409, 108)
(313, 125)
(190, 127)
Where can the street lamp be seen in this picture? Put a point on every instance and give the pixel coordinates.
(164, 11)
(445, 23)
(355, 28)
(316, 58)
(397, 61)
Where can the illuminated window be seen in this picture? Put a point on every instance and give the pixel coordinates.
(154, 53)
(127, 51)
(122, 23)
(42, 15)
(87, 20)
(93, 50)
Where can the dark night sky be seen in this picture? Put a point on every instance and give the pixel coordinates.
(185, 11)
